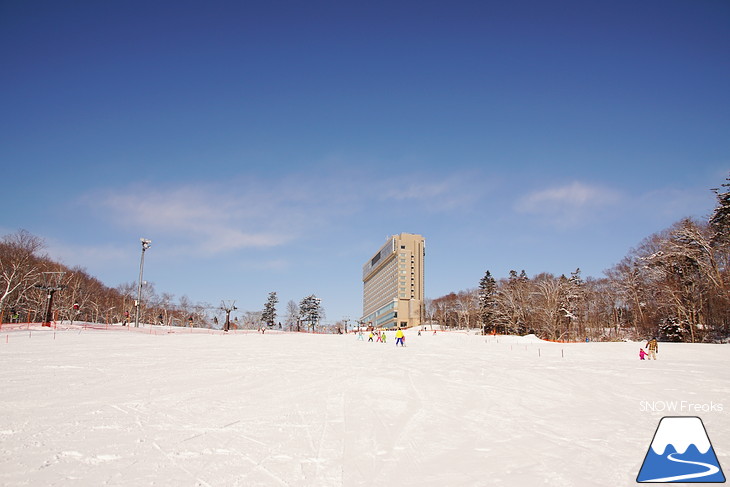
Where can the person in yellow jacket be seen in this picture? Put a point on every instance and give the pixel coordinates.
(400, 337)
(653, 347)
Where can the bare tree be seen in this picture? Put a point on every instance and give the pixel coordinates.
(689, 281)
(445, 310)
(513, 304)
(252, 319)
(467, 308)
(19, 267)
(292, 315)
(548, 299)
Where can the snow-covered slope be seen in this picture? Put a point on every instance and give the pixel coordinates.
(146, 407)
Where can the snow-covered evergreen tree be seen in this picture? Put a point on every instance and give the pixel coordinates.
(269, 314)
(720, 219)
(487, 300)
(573, 295)
(310, 310)
(672, 330)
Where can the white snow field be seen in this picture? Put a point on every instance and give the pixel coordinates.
(139, 407)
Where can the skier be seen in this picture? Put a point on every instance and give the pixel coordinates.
(653, 348)
(383, 337)
(370, 337)
(378, 338)
(359, 336)
(399, 337)
(642, 354)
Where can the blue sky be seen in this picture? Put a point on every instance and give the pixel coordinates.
(262, 146)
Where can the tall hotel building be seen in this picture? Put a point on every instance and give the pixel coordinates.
(393, 283)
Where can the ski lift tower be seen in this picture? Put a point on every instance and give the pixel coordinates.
(228, 306)
(51, 283)
(145, 245)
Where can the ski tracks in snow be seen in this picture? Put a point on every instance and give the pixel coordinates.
(380, 431)
(330, 444)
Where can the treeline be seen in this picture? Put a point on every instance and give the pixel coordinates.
(675, 285)
(28, 276)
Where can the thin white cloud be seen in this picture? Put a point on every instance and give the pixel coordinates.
(209, 218)
(419, 190)
(212, 218)
(568, 205)
(675, 204)
(72, 255)
(266, 265)
(436, 192)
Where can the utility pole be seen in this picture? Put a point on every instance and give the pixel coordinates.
(145, 245)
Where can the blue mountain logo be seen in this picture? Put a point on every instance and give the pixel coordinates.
(681, 452)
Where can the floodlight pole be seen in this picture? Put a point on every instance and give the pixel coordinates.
(145, 245)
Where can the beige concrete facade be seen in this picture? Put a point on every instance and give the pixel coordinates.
(393, 283)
